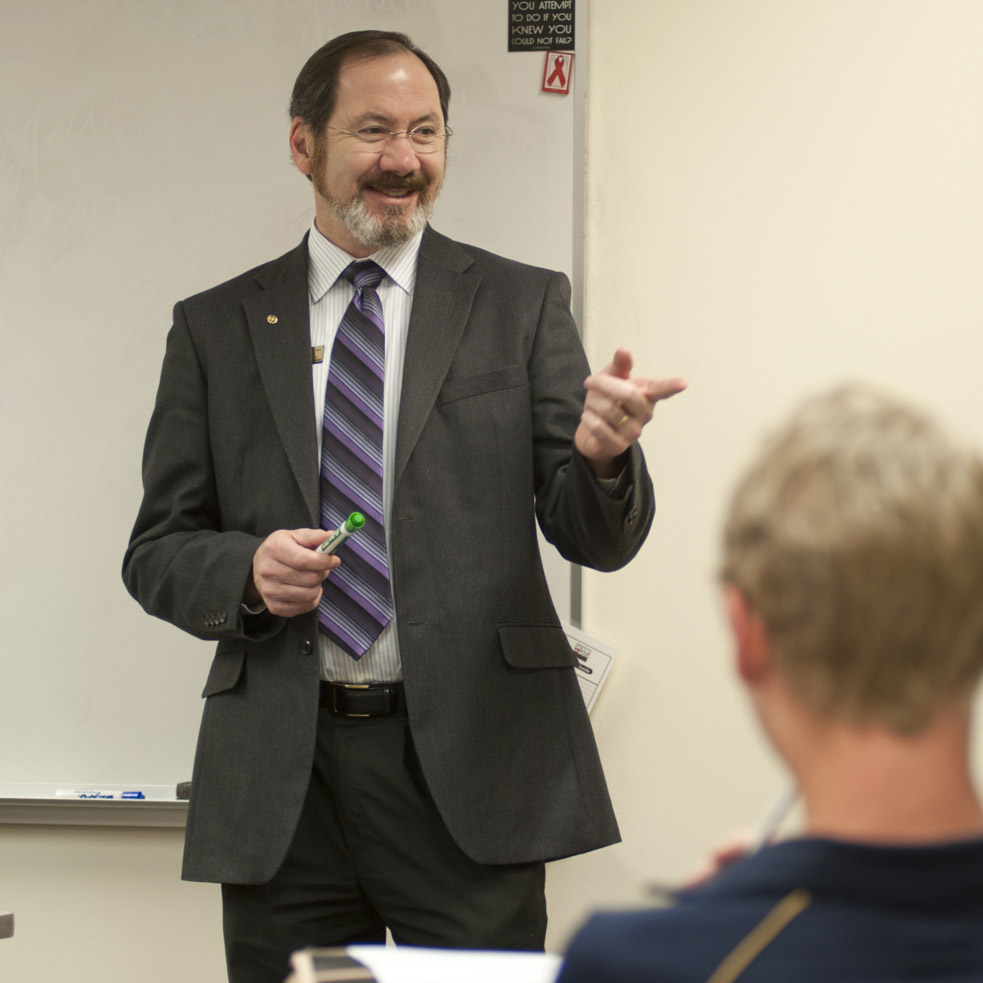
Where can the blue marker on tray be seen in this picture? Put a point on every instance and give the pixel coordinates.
(98, 793)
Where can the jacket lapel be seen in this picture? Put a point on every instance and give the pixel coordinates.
(279, 324)
(442, 300)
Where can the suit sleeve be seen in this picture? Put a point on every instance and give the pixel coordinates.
(587, 523)
(181, 565)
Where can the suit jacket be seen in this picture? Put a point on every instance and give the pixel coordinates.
(492, 392)
(808, 911)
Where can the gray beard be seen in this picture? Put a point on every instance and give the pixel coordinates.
(390, 230)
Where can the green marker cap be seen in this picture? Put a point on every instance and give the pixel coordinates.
(355, 521)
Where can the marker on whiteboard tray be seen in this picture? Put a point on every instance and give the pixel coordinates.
(352, 524)
(98, 793)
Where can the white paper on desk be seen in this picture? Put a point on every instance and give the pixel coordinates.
(594, 661)
(412, 964)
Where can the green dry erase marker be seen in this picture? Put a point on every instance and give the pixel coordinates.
(352, 524)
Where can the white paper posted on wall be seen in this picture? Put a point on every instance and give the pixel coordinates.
(594, 661)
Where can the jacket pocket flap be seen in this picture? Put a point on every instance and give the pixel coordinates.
(535, 646)
(225, 671)
(487, 382)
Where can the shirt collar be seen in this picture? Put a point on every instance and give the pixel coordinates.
(328, 262)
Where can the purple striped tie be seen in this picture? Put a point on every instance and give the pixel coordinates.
(357, 601)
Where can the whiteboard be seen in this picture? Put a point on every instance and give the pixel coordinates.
(144, 158)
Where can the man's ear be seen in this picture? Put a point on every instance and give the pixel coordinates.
(752, 645)
(301, 146)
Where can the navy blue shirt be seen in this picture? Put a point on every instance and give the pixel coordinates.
(804, 911)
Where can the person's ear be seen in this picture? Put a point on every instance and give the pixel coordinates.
(752, 646)
(301, 146)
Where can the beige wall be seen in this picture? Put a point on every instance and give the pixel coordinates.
(779, 194)
(97, 905)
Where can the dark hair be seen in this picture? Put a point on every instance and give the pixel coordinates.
(316, 88)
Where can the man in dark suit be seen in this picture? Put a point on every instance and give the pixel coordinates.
(417, 775)
(853, 573)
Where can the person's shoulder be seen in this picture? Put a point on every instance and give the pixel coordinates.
(678, 943)
(684, 941)
(451, 253)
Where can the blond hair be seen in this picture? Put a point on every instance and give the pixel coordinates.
(857, 536)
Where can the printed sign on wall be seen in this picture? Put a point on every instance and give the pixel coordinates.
(538, 24)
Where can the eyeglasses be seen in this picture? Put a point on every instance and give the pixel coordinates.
(423, 139)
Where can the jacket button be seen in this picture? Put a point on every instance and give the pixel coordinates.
(306, 646)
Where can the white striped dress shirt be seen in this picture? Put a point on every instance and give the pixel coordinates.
(329, 298)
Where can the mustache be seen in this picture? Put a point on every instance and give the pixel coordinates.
(395, 182)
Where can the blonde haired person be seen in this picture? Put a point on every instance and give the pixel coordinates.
(853, 583)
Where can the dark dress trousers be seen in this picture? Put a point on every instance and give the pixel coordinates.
(492, 393)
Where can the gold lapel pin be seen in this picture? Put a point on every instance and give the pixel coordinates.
(272, 318)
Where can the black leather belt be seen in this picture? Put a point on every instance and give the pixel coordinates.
(362, 700)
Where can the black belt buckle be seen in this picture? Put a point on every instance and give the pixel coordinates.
(362, 700)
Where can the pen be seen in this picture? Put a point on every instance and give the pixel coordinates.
(97, 793)
(764, 832)
(771, 821)
(352, 524)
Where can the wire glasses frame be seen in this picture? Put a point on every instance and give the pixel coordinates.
(423, 139)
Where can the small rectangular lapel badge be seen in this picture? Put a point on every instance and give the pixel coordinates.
(317, 354)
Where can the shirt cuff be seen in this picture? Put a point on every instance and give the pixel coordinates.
(616, 487)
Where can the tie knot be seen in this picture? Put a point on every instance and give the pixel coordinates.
(364, 274)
